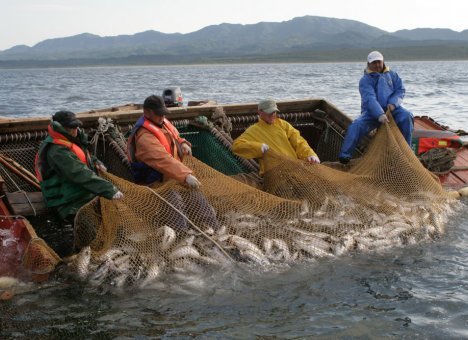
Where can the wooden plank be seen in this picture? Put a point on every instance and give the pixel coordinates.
(26, 203)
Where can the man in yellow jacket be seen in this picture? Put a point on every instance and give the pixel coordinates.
(271, 132)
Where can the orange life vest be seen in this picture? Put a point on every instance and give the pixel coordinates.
(159, 134)
(424, 140)
(59, 139)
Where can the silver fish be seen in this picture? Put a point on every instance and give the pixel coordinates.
(82, 261)
(184, 251)
(169, 236)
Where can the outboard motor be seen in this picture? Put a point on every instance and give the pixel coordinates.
(173, 96)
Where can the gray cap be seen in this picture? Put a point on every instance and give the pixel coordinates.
(268, 106)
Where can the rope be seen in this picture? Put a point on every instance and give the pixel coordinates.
(439, 160)
(13, 216)
(29, 201)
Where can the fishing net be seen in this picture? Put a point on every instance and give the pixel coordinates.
(22, 253)
(303, 212)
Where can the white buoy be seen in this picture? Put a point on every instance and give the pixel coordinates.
(463, 191)
(7, 282)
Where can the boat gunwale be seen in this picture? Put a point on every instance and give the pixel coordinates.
(129, 113)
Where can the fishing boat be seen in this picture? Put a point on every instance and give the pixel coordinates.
(208, 126)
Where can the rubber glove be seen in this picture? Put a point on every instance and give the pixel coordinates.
(313, 159)
(265, 148)
(118, 195)
(192, 181)
(383, 118)
(186, 149)
(100, 167)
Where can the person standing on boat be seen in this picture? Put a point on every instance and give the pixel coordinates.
(381, 89)
(271, 132)
(68, 177)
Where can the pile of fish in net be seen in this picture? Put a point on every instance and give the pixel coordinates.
(304, 212)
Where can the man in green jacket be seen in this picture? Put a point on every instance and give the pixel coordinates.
(67, 172)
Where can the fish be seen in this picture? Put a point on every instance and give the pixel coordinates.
(223, 238)
(186, 242)
(81, 262)
(216, 254)
(347, 243)
(98, 277)
(283, 249)
(169, 236)
(222, 230)
(208, 260)
(280, 244)
(121, 264)
(244, 244)
(311, 249)
(323, 208)
(267, 244)
(184, 251)
(375, 231)
(119, 281)
(257, 257)
(317, 242)
(137, 237)
(246, 225)
(398, 231)
(304, 208)
(209, 231)
(111, 254)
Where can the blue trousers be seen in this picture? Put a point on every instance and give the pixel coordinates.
(366, 123)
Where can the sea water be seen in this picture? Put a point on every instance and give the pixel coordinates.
(418, 291)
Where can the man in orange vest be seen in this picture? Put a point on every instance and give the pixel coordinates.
(155, 148)
(68, 177)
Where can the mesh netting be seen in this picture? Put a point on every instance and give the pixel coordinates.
(38, 258)
(305, 211)
(22, 253)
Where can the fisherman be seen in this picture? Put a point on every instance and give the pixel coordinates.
(271, 132)
(68, 177)
(156, 150)
(381, 89)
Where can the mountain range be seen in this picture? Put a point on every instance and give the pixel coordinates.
(307, 39)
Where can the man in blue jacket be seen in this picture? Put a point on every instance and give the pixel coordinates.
(381, 89)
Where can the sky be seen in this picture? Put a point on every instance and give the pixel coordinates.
(28, 22)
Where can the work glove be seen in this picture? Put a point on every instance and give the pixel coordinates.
(383, 118)
(118, 195)
(265, 148)
(186, 149)
(313, 159)
(100, 167)
(192, 181)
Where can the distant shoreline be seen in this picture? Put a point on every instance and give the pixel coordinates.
(29, 64)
